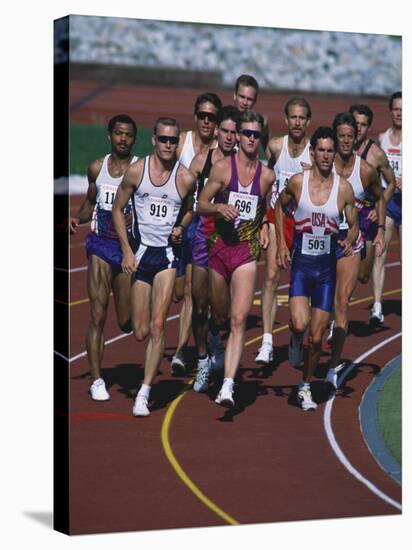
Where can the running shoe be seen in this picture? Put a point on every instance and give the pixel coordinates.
(98, 390)
(265, 354)
(140, 407)
(217, 352)
(178, 364)
(305, 399)
(202, 376)
(225, 396)
(332, 378)
(330, 335)
(295, 350)
(376, 316)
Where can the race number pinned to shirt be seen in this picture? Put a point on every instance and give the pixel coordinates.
(245, 203)
(106, 196)
(315, 245)
(158, 211)
(395, 160)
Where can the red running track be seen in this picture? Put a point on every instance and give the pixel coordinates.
(146, 103)
(264, 461)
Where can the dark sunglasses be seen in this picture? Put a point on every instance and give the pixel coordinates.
(202, 115)
(249, 133)
(174, 140)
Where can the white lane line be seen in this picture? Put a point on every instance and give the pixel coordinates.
(115, 339)
(72, 270)
(327, 420)
(123, 335)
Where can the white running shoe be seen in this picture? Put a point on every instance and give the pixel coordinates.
(265, 354)
(295, 350)
(178, 364)
(202, 376)
(332, 378)
(98, 390)
(305, 399)
(225, 396)
(376, 316)
(330, 335)
(217, 352)
(140, 407)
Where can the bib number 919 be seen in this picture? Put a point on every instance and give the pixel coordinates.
(158, 210)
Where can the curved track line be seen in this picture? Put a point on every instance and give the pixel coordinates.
(164, 435)
(179, 470)
(174, 404)
(327, 417)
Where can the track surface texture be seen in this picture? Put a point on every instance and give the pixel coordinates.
(192, 463)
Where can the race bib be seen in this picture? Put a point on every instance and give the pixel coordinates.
(395, 160)
(107, 195)
(284, 178)
(245, 203)
(315, 245)
(158, 211)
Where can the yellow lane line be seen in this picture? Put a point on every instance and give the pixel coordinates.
(362, 300)
(77, 302)
(172, 409)
(179, 470)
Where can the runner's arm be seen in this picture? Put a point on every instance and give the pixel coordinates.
(186, 214)
(123, 194)
(380, 207)
(288, 193)
(352, 219)
(85, 211)
(214, 185)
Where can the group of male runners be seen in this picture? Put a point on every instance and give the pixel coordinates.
(190, 220)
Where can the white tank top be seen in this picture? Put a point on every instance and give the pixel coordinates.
(287, 166)
(107, 186)
(393, 152)
(156, 208)
(188, 151)
(317, 223)
(358, 190)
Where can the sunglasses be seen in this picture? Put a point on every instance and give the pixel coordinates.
(202, 115)
(249, 133)
(174, 140)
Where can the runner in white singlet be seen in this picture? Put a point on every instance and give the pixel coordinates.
(102, 245)
(391, 143)
(161, 189)
(288, 155)
(191, 143)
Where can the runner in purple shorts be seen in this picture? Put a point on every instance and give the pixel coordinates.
(102, 245)
(373, 154)
(391, 143)
(239, 185)
(367, 190)
(191, 143)
(201, 166)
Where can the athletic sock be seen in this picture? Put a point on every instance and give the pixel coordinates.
(145, 390)
(267, 338)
